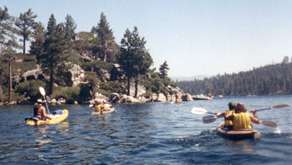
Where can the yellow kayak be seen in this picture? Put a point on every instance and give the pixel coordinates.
(56, 118)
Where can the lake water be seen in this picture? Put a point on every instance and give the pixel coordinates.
(149, 133)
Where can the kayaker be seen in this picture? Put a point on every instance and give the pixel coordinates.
(228, 123)
(100, 107)
(39, 110)
(105, 106)
(241, 118)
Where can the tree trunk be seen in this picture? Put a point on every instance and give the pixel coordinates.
(24, 45)
(136, 88)
(10, 81)
(129, 86)
(51, 76)
(104, 57)
(1, 93)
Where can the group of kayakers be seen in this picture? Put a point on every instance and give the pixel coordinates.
(237, 117)
(100, 106)
(40, 111)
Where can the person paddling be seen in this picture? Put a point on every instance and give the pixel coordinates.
(39, 110)
(241, 118)
(228, 123)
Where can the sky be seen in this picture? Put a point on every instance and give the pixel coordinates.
(194, 37)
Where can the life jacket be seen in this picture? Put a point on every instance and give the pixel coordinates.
(228, 123)
(35, 110)
(241, 120)
(97, 108)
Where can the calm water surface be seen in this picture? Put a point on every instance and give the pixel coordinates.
(149, 133)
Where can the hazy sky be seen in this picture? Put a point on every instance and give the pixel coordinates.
(194, 37)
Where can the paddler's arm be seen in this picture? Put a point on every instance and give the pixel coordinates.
(254, 118)
(220, 114)
(229, 117)
(45, 113)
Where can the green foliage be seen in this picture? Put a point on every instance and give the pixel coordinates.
(86, 35)
(70, 27)
(8, 39)
(56, 50)
(163, 69)
(134, 59)
(96, 65)
(30, 88)
(113, 87)
(87, 90)
(68, 93)
(26, 57)
(268, 80)
(107, 49)
(25, 22)
(148, 94)
(103, 92)
(25, 66)
(154, 85)
(167, 81)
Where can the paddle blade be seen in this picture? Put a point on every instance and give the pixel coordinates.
(42, 91)
(209, 119)
(269, 123)
(281, 106)
(199, 111)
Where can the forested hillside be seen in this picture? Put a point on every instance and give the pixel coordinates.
(268, 80)
(57, 48)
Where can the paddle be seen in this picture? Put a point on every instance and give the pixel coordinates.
(201, 111)
(211, 118)
(43, 93)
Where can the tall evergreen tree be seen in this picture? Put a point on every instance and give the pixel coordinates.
(36, 46)
(25, 22)
(108, 47)
(163, 69)
(135, 58)
(70, 27)
(55, 50)
(8, 43)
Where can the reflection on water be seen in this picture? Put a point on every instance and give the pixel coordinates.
(244, 146)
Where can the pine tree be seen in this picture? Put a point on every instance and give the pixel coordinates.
(26, 24)
(55, 53)
(8, 43)
(135, 58)
(36, 47)
(163, 69)
(108, 47)
(70, 27)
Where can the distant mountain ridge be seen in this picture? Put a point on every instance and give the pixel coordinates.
(275, 79)
(198, 77)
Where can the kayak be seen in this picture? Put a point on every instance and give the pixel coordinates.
(56, 118)
(111, 110)
(237, 134)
